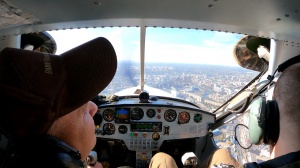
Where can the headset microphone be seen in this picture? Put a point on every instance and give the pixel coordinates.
(97, 118)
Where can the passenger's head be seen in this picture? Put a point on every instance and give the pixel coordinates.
(286, 93)
(42, 93)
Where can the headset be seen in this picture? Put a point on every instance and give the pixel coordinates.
(264, 114)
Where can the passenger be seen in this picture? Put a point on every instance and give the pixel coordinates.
(286, 152)
(45, 105)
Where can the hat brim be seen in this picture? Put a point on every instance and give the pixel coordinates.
(90, 68)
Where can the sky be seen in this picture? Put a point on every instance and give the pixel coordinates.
(170, 45)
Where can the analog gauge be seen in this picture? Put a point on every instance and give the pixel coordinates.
(183, 117)
(136, 114)
(151, 113)
(108, 115)
(170, 115)
(155, 136)
(123, 129)
(198, 118)
(109, 129)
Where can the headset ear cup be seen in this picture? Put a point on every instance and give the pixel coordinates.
(272, 123)
(257, 120)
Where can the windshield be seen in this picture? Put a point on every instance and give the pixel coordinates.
(193, 65)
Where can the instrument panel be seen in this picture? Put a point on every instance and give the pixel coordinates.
(143, 127)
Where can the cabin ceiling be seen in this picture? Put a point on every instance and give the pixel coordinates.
(275, 19)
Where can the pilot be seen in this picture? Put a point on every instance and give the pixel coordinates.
(45, 108)
(286, 152)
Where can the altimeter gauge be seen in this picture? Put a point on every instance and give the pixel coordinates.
(136, 114)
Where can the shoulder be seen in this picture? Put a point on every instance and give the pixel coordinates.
(290, 160)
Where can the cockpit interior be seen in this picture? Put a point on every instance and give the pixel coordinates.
(187, 70)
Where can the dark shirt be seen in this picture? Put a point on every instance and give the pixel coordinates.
(289, 160)
(46, 152)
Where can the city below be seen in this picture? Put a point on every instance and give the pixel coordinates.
(208, 86)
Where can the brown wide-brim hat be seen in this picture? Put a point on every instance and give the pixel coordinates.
(37, 88)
